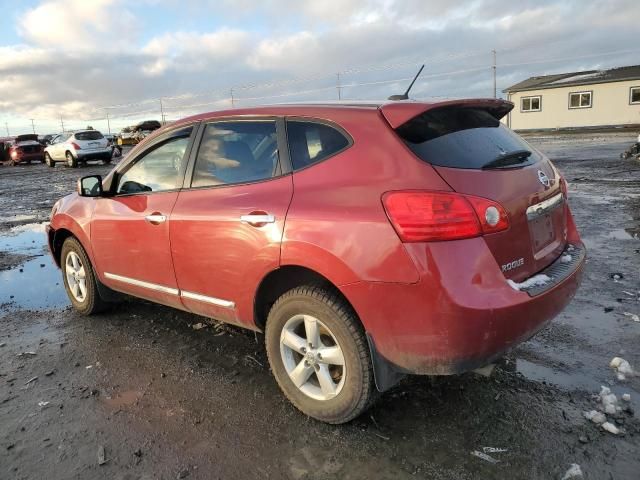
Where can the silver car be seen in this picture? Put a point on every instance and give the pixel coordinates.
(80, 146)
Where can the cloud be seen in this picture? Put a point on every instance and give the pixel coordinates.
(78, 24)
(107, 52)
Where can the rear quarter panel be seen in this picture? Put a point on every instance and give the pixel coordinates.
(336, 224)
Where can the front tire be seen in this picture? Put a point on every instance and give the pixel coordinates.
(48, 160)
(71, 160)
(79, 278)
(318, 354)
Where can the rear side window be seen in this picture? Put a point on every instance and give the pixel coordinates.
(465, 138)
(311, 142)
(236, 152)
(94, 135)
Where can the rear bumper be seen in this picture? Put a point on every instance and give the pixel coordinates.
(461, 315)
(94, 155)
(29, 157)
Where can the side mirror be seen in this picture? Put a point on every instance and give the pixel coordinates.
(90, 186)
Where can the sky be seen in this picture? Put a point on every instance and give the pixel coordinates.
(81, 61)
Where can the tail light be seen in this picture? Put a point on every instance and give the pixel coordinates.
(76, 146)
(420, 216)
(14, 153)
(564, 187)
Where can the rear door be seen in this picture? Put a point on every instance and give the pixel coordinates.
(477, 155)
(227, 224)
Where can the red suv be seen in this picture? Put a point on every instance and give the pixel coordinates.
(368, 241)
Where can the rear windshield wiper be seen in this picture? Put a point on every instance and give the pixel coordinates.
(508, 159)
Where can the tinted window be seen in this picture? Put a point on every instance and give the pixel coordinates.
(312, 142)
(463, 138)
(92, 135)
(157, 170)
(236, 152)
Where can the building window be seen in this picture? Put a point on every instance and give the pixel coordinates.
(580, 99)
(531, 104)
(634, 95)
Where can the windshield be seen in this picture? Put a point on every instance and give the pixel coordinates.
(465, 138)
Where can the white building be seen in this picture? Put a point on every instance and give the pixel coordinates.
(591, 99)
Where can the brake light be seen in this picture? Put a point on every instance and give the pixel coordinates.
(564, 187)
(419, 216)
(76, 146)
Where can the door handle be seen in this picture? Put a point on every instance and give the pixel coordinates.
(258, 219)
(156, 218)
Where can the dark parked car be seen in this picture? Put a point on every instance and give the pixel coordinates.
(367, 241)
(25, 148)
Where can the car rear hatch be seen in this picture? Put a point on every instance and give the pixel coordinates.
(477, 155)
(91, 140)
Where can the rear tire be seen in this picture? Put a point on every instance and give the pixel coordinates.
(106, 161)
(48, 160)
(319, 356)
(71, 160)
(80, 279)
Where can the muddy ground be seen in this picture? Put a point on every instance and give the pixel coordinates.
(163, 400)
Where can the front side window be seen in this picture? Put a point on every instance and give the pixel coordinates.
(580, 100)
(531, 104)
(157, 170)
(311, 142)
(236, 152)
(634, 95)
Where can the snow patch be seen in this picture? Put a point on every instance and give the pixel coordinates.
(29, 227)
(622, 368)
(595, 416)
(611, 428)
(566, 258)
(574, 472)
(535, 281)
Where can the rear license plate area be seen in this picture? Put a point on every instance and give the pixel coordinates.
(542, 232)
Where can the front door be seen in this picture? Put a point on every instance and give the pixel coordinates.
(227, 228)
(130, 230)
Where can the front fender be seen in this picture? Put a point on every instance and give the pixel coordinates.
(74, 214)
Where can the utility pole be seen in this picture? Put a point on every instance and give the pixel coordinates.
(108, 124)
(161, 111)
(495, 66)
(233, 101)
(33, 126)
(338, 87)
(61, 124)
(7, 127)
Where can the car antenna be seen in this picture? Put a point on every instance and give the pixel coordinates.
(405, 95)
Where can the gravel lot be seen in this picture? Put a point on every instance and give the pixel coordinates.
(140, 391)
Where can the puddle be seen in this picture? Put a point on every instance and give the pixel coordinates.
(37, 283)
(572, 381)
(123, 399)
(620, 234)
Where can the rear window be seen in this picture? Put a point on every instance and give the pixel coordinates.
(26, 138)
(465, 138)
(93, 135)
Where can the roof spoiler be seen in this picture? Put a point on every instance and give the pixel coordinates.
(399, 113)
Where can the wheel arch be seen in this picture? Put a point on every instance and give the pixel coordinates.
(281, 280)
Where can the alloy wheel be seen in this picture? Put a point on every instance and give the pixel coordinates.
(312, 357)
(76, 276)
